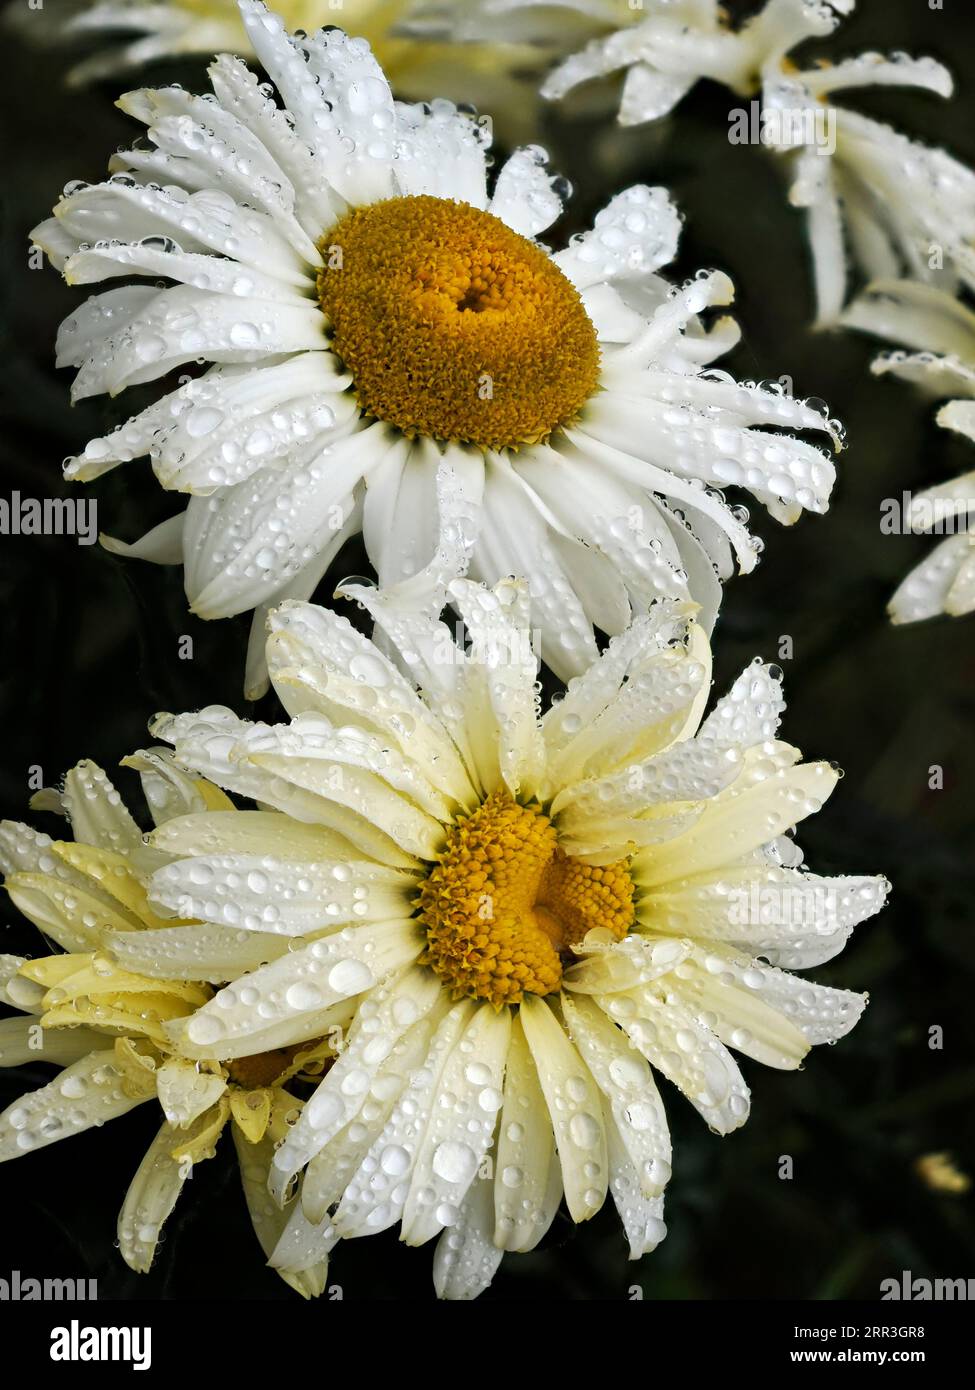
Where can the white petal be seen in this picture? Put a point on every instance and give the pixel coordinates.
(376, 1195)
(458, 1136)
(466, 1257)
(524, 194)
(635, 233)
(526, 1154)
(381, 1022)
(87, 1093)
(574, 1107)
(286, 1001)
(626, 1081)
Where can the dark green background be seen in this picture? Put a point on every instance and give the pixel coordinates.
(90, 651)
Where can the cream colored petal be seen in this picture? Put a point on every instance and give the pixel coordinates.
(678, 1044)
(185, 1091)
(168, 790)
(319, 661)
(820, 1013)
(384, 1017)
(732, 826)
(466, 1258)
(77, 919)
(574, 1107)
(289, 1000)
(302, 1247)
(202, 951)
(16, 989)
(152, 1195)
(97, 813)
(251, 832)
(625, 1079)
(23, 1040)
(267, 1218)
(642, 1216)
(503, 653)
(458, 1135)
(87, 1093)
(376, 1194)
(635, 960)
(263, 894)
(525, 1153)
(213, 740)
(331, 1171)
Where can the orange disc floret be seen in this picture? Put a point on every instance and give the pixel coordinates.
(579, 897)
(504, 904)
(453, 326)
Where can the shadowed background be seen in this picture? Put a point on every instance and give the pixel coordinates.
(91, 649)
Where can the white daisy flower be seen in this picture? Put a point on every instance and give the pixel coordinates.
(369, 308)
(531, 916)
(132, 33)
(896, 206)
(940, 331)
(662, 48)
(104, 1026)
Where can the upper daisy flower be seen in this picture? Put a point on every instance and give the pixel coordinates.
(369, 307)
(530, 915)
(104, 1026)
(940, 330)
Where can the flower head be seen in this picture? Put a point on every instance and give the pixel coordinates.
(939, 330)
(105, 1026)
(530, 917)
(369, 308)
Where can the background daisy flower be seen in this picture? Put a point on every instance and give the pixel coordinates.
(532, 916)
(132, 33)
(940, 331)
(104, 1026)
(870, 193)
(646, 56)
(876, 197)
(370, 309)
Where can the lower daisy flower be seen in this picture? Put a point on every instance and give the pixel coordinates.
(104, 1026)
(532, 917)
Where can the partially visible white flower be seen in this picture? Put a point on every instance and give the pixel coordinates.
(103, 1024)
(895, 206)
(662, 47)
(940, 330)
(132, 33)
(370, 309)
(891, 204)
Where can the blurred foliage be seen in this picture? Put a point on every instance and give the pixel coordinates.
(91, 651)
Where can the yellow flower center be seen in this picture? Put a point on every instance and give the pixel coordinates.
(453, 326)
(504, 906)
